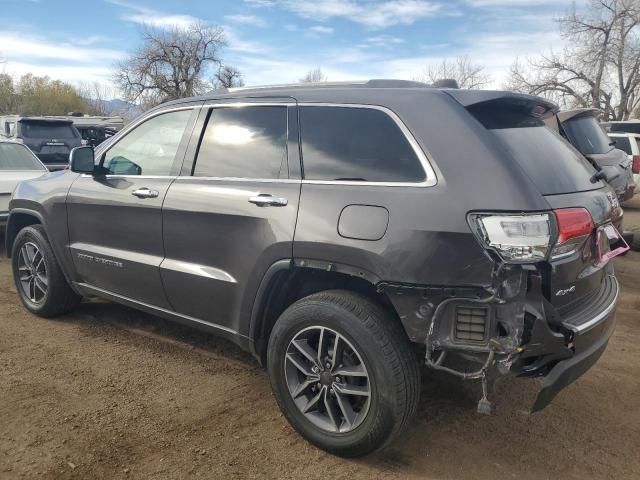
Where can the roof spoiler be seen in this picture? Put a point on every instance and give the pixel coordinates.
(487, 99)
(446, 83)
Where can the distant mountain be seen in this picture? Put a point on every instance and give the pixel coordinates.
(122, 108)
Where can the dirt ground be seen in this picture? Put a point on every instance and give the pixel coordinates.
(109, 392)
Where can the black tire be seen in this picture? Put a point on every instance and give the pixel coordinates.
(385, 351)
(59, 297)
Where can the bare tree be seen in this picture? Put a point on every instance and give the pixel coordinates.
(228, 77)
(599, 68)
(96, 96)
(314, 75)
(170, 64)
(467, 74)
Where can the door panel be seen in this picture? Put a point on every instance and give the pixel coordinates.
(222, 232)
(115, 217)
(116, 238)
(218, 245)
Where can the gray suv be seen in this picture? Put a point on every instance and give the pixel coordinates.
(346, 235)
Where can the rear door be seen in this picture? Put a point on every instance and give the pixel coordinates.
(232, 213)
(115, 219)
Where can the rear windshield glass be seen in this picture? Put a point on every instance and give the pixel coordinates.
(48, 130)
(551, 163)
(622, 143)
(587, 135)
(17, 157)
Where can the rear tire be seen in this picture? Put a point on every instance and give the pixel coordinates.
(373, 355)
(39, 280)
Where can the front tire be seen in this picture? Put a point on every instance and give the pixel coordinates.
(40, 283)
(343, 372)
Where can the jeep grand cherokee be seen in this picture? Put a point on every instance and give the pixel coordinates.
(345, 235)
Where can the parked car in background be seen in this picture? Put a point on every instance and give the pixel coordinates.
(50, 138)
(333, 232)
(623, 126)
(17, 163)
(95, 129)
(628, 143)
(581, 128)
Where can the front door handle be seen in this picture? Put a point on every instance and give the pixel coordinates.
(145, 193)
(266, 200)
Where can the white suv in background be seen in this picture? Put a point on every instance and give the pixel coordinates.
(630, 144)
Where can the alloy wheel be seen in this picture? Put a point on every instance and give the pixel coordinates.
(32, 271)
(327, 379)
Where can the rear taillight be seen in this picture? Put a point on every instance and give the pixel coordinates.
(636, 164)
(521, 238)
(574, 227)
(526, 238)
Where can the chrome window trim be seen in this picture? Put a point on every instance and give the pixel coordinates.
(165, 177)
(431, 178)
(424, 158)
(239, 179)
(232, 104)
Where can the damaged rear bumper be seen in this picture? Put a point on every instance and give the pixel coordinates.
(591, 336)
(515, 331)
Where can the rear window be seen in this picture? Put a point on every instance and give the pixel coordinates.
(551, 163)
(586, 134)
(48, 130)
(622, 143)
(356, 144)
(17, 157)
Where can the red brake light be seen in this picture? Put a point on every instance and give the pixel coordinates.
(636, 164)
(572, 223)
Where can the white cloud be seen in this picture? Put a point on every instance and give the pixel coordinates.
(384, 41)
(321, 29)
(380, 14)
(74, 74)
(515, 3)
(253, 20)
(237, 43)
(24, 46)
(154, 18)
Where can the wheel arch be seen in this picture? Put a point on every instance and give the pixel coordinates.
(20, 218)
(286, 281)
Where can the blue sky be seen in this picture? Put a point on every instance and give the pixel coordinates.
(278, 41)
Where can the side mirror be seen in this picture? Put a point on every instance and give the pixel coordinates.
(82, 160)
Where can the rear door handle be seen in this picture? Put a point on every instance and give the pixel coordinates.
(266, 200)
(145, 193)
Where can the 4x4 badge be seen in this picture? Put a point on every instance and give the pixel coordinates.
(567, 291)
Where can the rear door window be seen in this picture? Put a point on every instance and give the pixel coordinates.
(356, 144)
(244, 142)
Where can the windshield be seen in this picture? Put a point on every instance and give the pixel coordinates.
(586, 134)
(16, 157)
(551, 163)
(51, 130)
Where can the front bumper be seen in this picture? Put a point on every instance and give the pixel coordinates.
(591, 329)
(4, 217)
